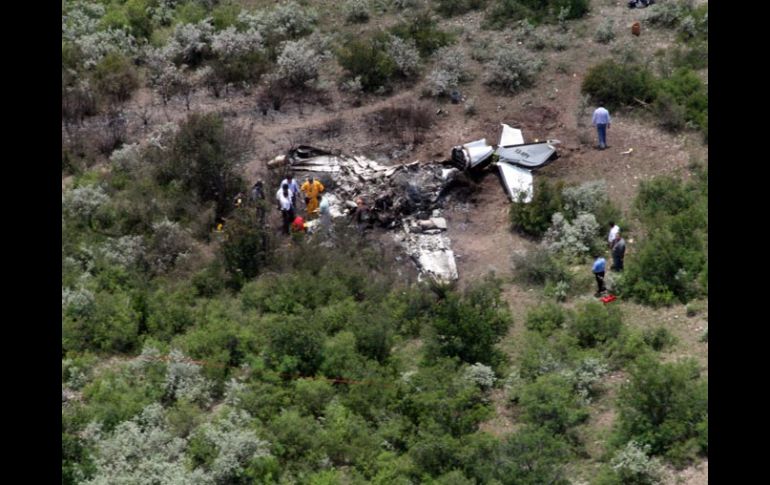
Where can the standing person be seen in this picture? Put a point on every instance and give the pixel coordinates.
(614, 232)
(618, 253)
(311, 188)
(598, 269)
(257, 197)
(323, 210)
(601, 120)
(293, 188)
(286, 206)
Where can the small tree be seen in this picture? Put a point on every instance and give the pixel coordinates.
(664, 406)
(469, 326)
(247, 247)
(206, 157)
(551, 403)
(115, 78)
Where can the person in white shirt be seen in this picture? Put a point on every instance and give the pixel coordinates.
(614, 231)
(293, 187)
(286, 205)
(601, 120)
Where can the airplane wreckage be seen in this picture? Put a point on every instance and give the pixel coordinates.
(409, 197)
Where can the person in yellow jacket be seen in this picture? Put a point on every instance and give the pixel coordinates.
(311, 188)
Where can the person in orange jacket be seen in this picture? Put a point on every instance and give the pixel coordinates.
(311, 188)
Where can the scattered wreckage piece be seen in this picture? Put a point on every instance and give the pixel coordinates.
(472, 155)
(512, 149)
(510, 136)
(518, 181)
(430, 249)
(529, 155)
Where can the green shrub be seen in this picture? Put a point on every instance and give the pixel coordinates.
(540, 355)
(368, 61)
(546, 318)
(119, 395)
(313, 395)
(534, 218)
(662, 406)
(664, 270)
(671, 261)
(113, 326)
(550, 402)
(450, 8)
(169, 314)
(512, 69)
(533, 456)
(347, 439)
(540, 267)
(422, 29)
(596, 324)
(206, 156)
(295, 345)
(294, 436)
(470, 325)
(658, 338)
(631, 466)
(115, 77)
(224, 15)
(247, 247)
(687, 90)
(617, 85)
(503, 12)
(356, 11)
(605, 33)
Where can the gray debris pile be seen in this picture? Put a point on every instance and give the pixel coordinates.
(406, 195)
(425, 241)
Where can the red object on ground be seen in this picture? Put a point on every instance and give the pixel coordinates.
(608, 299)
(298, 224)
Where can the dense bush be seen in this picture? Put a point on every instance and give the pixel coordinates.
(595, 324)
(206, 157)
(448, 72)
(631, 466)
(671, 261)
(605, 33)
(546, 318)
(540, 267)
(451, 8)
(551, 403)
(576, 239)
(423, 31)
(687, 95)
(368, 61)
(534, 218)
(469, 326)
(512, 69)
(298, 64)
(663, 406)
(112, 325)
(503, 12)
(615, 85)
(115, 78)
(247, 247)
(356, 11)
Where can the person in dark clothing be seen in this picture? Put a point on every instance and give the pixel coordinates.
(618, 253)
(257, 197)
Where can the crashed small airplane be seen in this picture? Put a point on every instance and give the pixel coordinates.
(515, 159)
